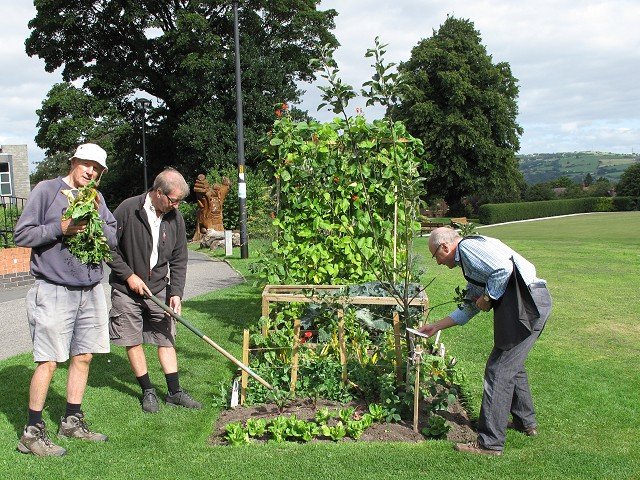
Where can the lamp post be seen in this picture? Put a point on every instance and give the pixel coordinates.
(141, 105)
(242, 185)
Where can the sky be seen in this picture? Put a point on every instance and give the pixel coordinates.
(577, 64)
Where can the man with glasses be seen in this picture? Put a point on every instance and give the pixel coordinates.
(151, 259)
(499, 279)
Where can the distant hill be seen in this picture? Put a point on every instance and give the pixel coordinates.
(542, 167)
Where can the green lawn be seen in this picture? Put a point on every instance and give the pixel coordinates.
(583, 373)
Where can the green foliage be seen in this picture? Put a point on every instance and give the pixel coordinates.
(626, 204)
(506, 212)
(376, 411)
(236, 434)
(341, 232)
(256, 427)
(335, 432)
(180, 54)
(629, 184)
(463, 108)
(278, 428)
(90, 245)
(341, 188)
(437, 427)
(323, 416)
(188, 211)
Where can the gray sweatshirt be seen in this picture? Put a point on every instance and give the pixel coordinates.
(39, 228)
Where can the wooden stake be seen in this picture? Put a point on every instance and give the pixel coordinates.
(245, 359)
(343, 346)
(294, 357)
(416, 388)
(265, 312)
(398, 347)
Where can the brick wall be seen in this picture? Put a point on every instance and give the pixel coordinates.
(14, 267)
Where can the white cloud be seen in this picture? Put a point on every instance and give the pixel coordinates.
(576, 62)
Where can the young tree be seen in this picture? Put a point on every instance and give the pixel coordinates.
(463, 107)
(182, 53)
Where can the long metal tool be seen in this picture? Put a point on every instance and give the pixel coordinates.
(210, 342)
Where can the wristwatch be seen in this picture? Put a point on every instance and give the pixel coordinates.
(486, 297)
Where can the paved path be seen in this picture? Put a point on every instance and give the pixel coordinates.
(203, 276)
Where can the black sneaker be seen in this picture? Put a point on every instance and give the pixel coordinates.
(35, 440)
(150, 403)
(75, 426)
(182, 399)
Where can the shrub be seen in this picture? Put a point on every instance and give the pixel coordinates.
(626, 204)
(507, 212)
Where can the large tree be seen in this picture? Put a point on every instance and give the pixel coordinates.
(463, 107)
(181, 53)
(629, 184)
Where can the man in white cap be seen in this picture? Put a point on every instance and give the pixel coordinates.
(66, 305)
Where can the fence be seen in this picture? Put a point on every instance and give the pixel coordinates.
(10, 209)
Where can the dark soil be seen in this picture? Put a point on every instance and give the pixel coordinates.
(456, 416)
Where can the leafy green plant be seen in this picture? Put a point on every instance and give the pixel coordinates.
(437, 427)
(323, 416)
(90, 245)
(376, 411)
(278, 428)
(467, 229)
(391, 415)
(236, 434)
(256, 427)
(335, 432)
(346, 414)
(355, 428)
(280, 397)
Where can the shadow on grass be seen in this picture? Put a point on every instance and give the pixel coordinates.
(14, 396)
(112, 370)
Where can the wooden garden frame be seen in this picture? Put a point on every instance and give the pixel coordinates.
(295, 293)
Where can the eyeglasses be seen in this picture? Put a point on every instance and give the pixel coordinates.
(436, 250)
(172, 201)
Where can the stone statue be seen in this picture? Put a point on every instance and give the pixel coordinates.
(210, 200)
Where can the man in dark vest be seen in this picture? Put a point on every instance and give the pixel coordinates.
(499, 279)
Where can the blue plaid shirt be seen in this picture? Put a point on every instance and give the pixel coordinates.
(487, 260)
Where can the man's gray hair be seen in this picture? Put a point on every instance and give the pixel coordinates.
(169, 179)
(443, 235)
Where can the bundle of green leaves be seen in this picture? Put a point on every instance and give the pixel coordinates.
(90, 245)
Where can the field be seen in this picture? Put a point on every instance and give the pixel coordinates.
(583, 373)
(543, 167)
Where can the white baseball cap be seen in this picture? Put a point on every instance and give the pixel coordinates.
(91, 151)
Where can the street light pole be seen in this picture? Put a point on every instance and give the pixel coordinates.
(141, 105)
(242, 185)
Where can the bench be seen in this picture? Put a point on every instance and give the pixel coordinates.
(459, 221)
(428, 227)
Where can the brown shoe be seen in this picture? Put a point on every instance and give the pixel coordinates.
(75, 426)
(530, 431)
(475, 447)
(35, 440)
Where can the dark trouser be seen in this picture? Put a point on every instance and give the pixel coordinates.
(506, 386)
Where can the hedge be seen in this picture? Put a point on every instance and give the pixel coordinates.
(507, 212)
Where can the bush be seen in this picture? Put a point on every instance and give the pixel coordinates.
(508, 212)
(188, 211)
(626, 204)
